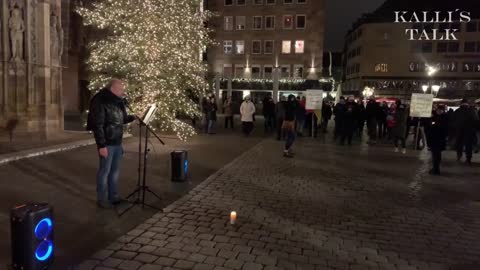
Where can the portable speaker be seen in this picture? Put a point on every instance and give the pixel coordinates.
(179, 165)
(32, 237)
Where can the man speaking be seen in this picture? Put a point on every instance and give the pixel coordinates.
(106, 119)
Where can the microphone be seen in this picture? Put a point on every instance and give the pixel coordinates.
(126, 103)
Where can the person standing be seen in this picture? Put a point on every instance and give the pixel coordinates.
(339, 112)
(205, 110)
(326, 116)
(466, 120)
(349, 122)
(247, 109)
(436, 129)
(372, 112)
(382, 120)
(228, 111)
(399, 129)
(280, 116)
(108, 116)
(361, 116)
(289, 125)
(212, 115)
(269, 113)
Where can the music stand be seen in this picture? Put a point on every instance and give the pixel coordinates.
(142, 188)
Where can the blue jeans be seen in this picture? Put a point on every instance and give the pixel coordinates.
(290, 140)
(108, 173)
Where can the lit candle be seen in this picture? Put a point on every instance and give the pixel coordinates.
(233, 217)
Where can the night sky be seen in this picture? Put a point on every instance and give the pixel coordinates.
(340, 16)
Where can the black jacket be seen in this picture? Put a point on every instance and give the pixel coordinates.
(291, 107)
(466, 119)
(109, 116)
(372, 111)
(436, 129)
(268, 107)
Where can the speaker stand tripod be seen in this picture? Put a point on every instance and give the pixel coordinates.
(142, 189)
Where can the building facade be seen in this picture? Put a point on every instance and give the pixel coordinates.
(39, 65)
(266, 39)
(378, 54)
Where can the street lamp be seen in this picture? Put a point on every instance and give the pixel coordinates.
(368, 92)
(425, 88)
(435, 89)
(431, 70)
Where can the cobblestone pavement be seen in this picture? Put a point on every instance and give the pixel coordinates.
(328, 208)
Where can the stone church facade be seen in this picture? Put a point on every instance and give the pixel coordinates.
(39, 72)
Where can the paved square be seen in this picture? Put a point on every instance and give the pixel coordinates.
(328, 208)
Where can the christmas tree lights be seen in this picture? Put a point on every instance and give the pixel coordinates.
(155, 47)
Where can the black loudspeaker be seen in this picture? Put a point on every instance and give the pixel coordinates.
(32, 237)
(179, 166)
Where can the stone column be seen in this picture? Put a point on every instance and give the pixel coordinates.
(43, 69)
(276, 83)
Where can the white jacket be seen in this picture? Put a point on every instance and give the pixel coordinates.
(247, 109)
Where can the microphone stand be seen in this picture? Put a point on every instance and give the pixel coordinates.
(140, 191)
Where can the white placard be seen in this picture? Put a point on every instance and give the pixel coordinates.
(314, 99)
(421, 105)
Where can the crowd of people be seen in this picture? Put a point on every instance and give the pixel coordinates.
(386, 123)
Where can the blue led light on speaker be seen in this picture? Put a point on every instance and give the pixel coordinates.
(185, 166)
(43, 228)
(44, 250)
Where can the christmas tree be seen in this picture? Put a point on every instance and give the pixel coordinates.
(155, 47)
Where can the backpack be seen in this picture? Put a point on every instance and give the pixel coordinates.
(90, 116)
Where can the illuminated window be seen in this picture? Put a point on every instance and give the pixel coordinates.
(228, 23)
(241, 21)
(227, 46)
(239, 46)
(287, 22)
(299, 46)
(286, 47)
(256, 47)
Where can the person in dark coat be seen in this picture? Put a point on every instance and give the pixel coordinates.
(269, 113)
(436, 129)
(382, 120)
(289, 124)
(212, 115)
(466, 121)
(326, 115)
(108, 116)
(399, 129)
(339, 112)
(361, 115)
(349, 122)
(372, 112)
